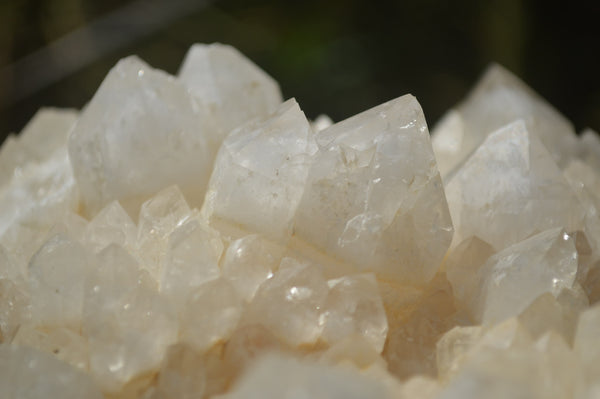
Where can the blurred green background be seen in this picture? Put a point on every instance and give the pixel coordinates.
(336, 57)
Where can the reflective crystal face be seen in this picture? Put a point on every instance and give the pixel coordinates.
(374, 196)
(499, 98)
(194, 236)
(509, 189)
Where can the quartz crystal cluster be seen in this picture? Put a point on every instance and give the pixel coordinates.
(196, 236)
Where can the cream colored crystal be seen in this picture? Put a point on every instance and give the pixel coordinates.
(212, 313)
(513, 278)
(128, 334)
(281, 377)
(141, 131)
(509, 189)
(290, 304)
(27, 373)
(249, 261)
(354, 306)
(260, 173)
(192, 259)
(45, 133)
(374, 197)
(57, 275)
(230, 85)
(112, 225)
(499, 98)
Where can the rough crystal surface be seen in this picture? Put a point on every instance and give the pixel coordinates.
(374, 197)
(229, 85)
(141, 132)
(193, 236)
(499, 98)
(509, 189)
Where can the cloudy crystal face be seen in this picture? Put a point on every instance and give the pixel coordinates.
(374, 197)
(141, 131)
(511, 279)
(230, 85)
(509, 189)
(498, 99)
(260, 174)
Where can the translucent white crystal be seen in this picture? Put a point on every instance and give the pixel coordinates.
(279, 377)
(498, 99)
(141, 131)
(509, 189)
(248, 262)
(374, 196)
(588, 351)
(57, 275)
(43, 135)
(260, 173)
(36, 198)
(290, 304)
(112, 225)
(212, 312)
(127, 324)
(511, 279)
(354, 306)
(66, 344)
(192, 259)
(229, 84)
(159, 217)
(462, 267)
(26, 373)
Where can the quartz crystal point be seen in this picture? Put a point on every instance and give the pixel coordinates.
(57, 275)
(290, 304)
(46, 133)
(512, 279)
(230, 85)
(129, 333)
(26, 373)
(354, 306)
(374, 197)
(193, 236)
(509, 189)
(142, 131)
(260, 173)
(498, 99)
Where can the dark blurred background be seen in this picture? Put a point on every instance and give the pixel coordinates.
(336, 57)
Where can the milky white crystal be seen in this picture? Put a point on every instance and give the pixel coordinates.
(511, 279)
(194, 236)
(229, 85)
(374, 197)
(498, 99)
(260, 173)
(509, 189)
(30, 374)
(141, 131)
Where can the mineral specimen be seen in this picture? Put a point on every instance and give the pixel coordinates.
(195, 236)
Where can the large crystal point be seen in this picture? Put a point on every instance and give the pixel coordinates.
(513, 278)
(374, 196)
(509, 189)
(45, 133)
(229, 84)
(127, 324)
(141, 132)
(498, 99)
(260, 173)
(30, 374)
